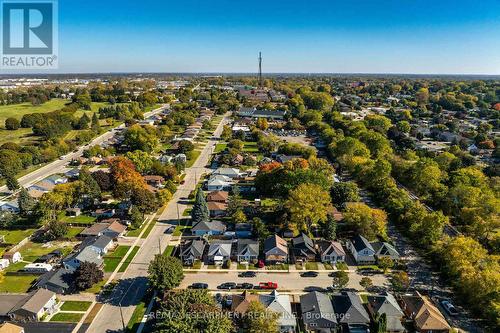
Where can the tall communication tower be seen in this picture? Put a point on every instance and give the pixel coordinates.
(260, 69)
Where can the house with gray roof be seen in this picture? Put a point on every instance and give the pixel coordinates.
(192, 250)
(318, 314)
(281, 304)
(330, 251)
(219, 252)
(28, 307)
(350, 313)
(385, 250)
(386, 303)
(361, 249)
(210, 228)
(102, 244)
(229, 172)
(86, 255)
(247, 250)
(303, 248)
(60, 281)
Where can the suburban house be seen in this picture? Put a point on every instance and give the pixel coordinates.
(192, 250)
(101, 244)
(28, 307)
(103, 213)
(229, 172)
(155, 181)
(275, 250)
(60, 281)
(385, 250)
(4, 263)
(361, 249)
(13, 257)
(11, 328)
(303, 248)
(85, 255)
(243, 230)
(317, 312)
(73, 212)
(386, 303)
(351, 313)
(330, 251)
(210, 228)
(426, 316)
(219, 183)
(56, 179)
(112, 230)
(217, 209)
(218, 196)
(247, 250)
(251, 112)
(9, 206)
(219, 252)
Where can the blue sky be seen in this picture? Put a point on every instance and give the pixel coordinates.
(378, 36)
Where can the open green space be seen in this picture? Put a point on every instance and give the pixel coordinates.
(16, 236)
(112, 259)
(19, 110)
(67, 317)
(73, 232)
(192, 158)
(32, 251)
(220, 147)
(129, 259)
(82, 219)
(16, 283)
(75, 306)
(250, 147)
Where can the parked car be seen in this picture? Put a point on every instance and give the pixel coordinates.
(170, 230)
(309, 274)
(248, 274)
(268, 285)
(227, 285)
(261, 264)
(245, 285)
(452, 311)
(315, 288)
(198, 285)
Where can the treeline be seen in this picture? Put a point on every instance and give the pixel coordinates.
(122, 112)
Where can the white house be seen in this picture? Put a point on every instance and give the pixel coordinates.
(361, 249)
(229, 172)
(13, 257)
(219, 183)
(4, 263)
(38, 268)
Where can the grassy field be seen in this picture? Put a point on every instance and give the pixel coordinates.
(67, 317)
(129, 259)
(194, 156)
(112, 259)
(19, 110)
(73, 232)
(82, 219)
(16, 283)
(16, 236)
(220, 147)
(32, 251)
(75, 306)
(250, 147)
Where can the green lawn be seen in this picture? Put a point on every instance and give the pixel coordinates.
(282, 267)
(168, 251)
(75, 306)
(180, 229)
(312, 266)
(193, 157)
(16, 283)
(136, 318)
(129, 258)
(148, 229)
(250, 147)
(342, 266)
(16, 236)
(96, 288)
(67, 317)
(220, 147)
(73, 232)
(32, 251)
(112, 259)
(19, 110)
(82, 219)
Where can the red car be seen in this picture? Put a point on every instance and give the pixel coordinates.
(261, 264)
(268, 285)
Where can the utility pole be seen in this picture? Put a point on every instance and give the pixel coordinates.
(260, 69)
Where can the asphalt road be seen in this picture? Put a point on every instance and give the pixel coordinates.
(287, 282)
(119, 307)
(59, 165)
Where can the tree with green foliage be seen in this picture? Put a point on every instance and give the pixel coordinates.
(381, 323)
(330, 228)
(340, 279)
(188, 310)
(400, 281)
(343, 192)
(136, 218)
(366, 282)
(12, 124)
(83, 122)
(11, 182)
(366, 221)
(385, 263)
(227, 133)
(87, 274)
(90, 189)
(95, 126)
(165, 272)
(200, 210)
(258, 319)
(259, 229)
(55, 230)
(26, 203)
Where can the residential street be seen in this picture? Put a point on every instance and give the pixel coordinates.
(60, 165)
(133, 285)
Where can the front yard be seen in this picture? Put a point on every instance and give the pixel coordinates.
(112, 259)
(75, 306)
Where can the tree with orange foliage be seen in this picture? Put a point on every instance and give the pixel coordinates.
(127, 180)
(268, 167)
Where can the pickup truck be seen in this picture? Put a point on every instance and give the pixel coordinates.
(268, 285)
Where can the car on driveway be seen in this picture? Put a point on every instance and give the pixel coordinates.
(248, 274)
(170, 230)
(309, 274)
(198, 285)
(452, 311)
(227, 285)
